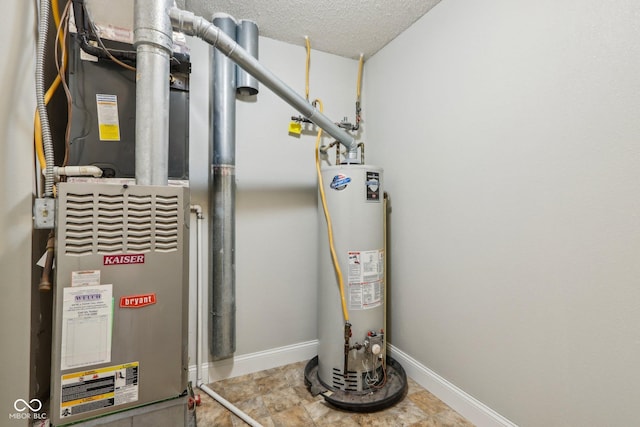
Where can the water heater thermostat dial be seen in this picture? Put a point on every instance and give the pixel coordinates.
(376, 349)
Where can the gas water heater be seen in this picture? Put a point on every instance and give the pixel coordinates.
(352, 370)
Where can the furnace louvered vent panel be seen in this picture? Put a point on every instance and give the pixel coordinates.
(79, 224)
(110, 213)
(166, 223)
(102, 223)
(139, 227)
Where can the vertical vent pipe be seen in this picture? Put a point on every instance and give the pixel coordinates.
(247, 37)
(153, 41)
(223, 195)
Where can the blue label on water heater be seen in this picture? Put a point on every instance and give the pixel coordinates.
(340, 182)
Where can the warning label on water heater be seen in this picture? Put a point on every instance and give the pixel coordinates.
(99, 388)
(366, 276)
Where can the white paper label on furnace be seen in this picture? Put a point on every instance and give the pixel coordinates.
(366, 275)
(85, 278)
(86, 326)
(108, 122)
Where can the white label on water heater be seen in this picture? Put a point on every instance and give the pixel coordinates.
(366, 275)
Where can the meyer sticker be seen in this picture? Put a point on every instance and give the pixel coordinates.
(340, 182)
(98, 388)
(123, 259)
(136, 301)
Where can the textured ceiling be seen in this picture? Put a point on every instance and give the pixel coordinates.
(342, 27)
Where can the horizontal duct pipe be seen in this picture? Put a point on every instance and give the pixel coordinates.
(192, 25)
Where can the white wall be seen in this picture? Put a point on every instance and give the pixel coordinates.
(509, 132)
(276, 229)
(16, 163)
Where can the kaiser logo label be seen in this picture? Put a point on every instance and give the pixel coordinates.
(137, 301)
(123, 259)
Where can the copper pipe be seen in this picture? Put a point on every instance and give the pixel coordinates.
(45, 280)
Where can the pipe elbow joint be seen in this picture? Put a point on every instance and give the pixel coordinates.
(188, 23)
(182, 21)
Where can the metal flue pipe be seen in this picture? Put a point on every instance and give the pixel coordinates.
(247, 36)
(193, 25)
(223, 200)
(152, 36)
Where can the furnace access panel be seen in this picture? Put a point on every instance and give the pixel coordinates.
(120, 302)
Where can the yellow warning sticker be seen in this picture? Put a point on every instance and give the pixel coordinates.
(108, 122)
(109, 133)
(295, 128)
(99, 388)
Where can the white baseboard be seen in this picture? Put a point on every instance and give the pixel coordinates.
(253, 362)
(466, 405)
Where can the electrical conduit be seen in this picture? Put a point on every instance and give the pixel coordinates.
(45, 11)
(49, 94)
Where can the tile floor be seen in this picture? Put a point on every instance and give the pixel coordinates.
(278, 398)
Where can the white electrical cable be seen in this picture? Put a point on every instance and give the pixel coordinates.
(197, 209)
